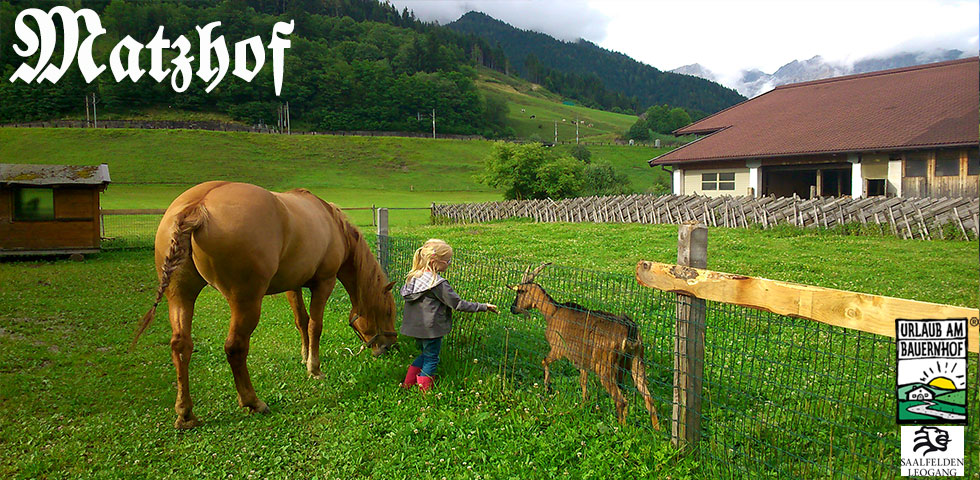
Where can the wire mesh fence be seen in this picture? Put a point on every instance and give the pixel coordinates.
(783, 397)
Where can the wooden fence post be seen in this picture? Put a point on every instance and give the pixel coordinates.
(383, 238)
(692, 251)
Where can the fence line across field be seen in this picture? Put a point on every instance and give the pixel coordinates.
(923, 218)
(749, 392)
(136, 228)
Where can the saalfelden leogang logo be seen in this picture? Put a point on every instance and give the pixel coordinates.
(931, 379)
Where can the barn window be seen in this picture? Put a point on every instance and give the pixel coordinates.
(726, 181)
(718, 181)
(709, 181)
(33, 204)
(915, 164)
(948, 163)
(973, 162)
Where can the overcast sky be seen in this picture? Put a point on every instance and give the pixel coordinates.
(730, 36)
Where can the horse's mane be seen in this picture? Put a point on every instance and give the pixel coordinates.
(368, 270)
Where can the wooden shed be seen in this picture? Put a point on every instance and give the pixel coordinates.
(50, 209)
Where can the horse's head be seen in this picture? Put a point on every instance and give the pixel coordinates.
(525, 290)
(375, 325)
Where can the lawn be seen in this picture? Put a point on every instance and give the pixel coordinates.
(74, 403)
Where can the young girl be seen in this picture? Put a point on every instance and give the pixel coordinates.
(429, 302)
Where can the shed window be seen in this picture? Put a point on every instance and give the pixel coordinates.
(718, 181)
(915, 165)
(948, 163)
(973, 162)
(33, 204)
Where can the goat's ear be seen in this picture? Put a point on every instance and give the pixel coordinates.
(389, 286)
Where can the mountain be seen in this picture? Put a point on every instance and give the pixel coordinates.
(617, 72)
(756, 82)
(696, 70)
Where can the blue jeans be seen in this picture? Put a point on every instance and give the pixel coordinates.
(429, 358)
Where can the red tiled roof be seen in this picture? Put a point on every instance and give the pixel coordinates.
(914, 107)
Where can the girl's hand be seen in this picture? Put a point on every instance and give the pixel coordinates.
(492, 308)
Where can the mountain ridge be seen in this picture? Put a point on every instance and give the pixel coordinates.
(617, 71)
(754, 82)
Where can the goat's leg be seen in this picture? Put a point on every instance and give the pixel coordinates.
(609, 382)
(551, 357)
(639, 372)
(583, 380)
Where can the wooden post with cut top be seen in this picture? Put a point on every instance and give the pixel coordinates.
(692, 251)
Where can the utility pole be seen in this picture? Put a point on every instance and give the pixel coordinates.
(576, 130)
(87, 122)
(433, 124)
(95, 112)
(556, 132)
(288, 124)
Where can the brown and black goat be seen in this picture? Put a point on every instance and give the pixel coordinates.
(609, 345)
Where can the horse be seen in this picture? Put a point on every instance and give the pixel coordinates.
(248, 242)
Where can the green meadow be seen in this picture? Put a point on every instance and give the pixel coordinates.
(149, 168)
(75, 404)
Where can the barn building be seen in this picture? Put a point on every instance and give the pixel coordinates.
(920, 393)
(907, 132)
(50, 209)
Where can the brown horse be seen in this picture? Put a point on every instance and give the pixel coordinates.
(248, 242)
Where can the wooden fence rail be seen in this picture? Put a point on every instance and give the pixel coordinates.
(925, 218)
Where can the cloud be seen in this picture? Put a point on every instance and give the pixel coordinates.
(566, 20)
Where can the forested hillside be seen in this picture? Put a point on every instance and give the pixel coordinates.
(353, 65)
(589, 73)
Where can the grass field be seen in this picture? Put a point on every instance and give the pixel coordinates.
(149, 168)
(525, 100)
(74, 403)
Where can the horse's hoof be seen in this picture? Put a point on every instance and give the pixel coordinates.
(317, 375)
(259, 407)
(184, 424)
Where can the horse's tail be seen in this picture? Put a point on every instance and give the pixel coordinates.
(185, 223)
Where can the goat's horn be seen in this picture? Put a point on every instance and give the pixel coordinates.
(538, 270)
(527, 276)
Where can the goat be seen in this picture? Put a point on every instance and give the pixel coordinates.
(601, 342)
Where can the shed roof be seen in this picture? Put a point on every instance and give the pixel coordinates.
(25, 174)
(924, 106)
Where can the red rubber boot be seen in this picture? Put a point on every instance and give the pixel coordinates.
(425, 383)
(411, 377)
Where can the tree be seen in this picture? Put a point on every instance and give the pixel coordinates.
(602, 179)
(560, 178)
(514, 168)
(677, 118)
(532, 171)
(581, 153)
(639, 131)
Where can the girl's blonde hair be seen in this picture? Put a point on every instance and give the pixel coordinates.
(433, 249)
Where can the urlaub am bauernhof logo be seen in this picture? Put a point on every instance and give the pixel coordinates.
(931, 371)
(931, 390)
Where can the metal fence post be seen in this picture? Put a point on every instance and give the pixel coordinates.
(383, 238)
(692, 251)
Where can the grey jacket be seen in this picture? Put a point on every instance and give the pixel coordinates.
(429, 307)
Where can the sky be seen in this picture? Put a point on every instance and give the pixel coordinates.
(730, 36)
